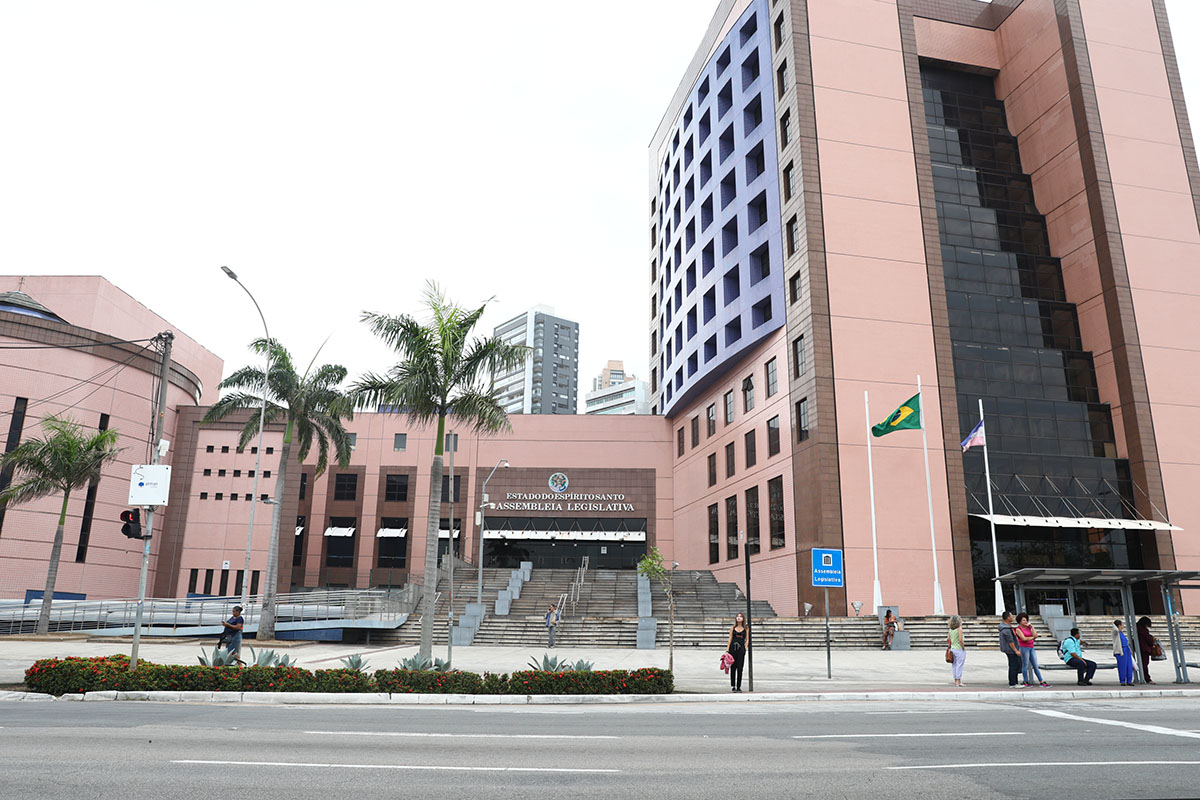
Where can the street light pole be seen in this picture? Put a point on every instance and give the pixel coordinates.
(482, 506)
(262, 413)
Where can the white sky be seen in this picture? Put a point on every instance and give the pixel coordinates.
(336, 155)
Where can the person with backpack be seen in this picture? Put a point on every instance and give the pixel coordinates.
(1071, 652)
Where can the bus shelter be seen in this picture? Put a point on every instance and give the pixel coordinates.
(1122, 582)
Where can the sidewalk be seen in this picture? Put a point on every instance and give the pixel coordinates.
(696, 670)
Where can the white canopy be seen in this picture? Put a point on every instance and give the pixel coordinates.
(391, 533)
(339, 531)
(299, 529)
(570, 536)
(1080, 522)
(444, 533)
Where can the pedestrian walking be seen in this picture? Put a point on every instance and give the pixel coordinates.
(739, 641)
(1008, 646)
(1124, 655)
(232, 633)
(1027, 640)
(958, 652)
(552, 617)
(1146, 645)
(889, 629)
(1071, 651)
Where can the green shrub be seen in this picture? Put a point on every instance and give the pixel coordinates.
(649, 680)
(277, 679)
(344, 680)
(401, 681)
(67, 675)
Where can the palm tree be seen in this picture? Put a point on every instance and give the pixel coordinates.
(66, 459)
(313, 407)
(440, 374)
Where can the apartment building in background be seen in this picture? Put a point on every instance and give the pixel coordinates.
(548, 383)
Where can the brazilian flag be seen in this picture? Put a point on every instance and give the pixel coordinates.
(905, 418)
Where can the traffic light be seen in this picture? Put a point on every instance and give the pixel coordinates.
(133, 523)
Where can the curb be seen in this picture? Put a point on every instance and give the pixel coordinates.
(333, 698)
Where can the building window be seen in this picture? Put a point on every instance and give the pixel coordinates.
(785, 129)
(204, 495)
(710, 416)
(253, 451)
(680, 442)
(729, 407)
(446, 488)
(751, 448)
(303, 484)
(752, 547)
(220, 473)
(799, 356)
(237, 473)
(794, 287)
(781, 79)
(773, 436)
(748, 394)
(395, 489)
(248, 497)
(695, 431)
(714, 534)
(451, 442)
(793, 235)
(779, 31)
(775, 509)
(712, 469)
(392, 551)
(731, 528)
(209, 449)
(352, 439)
(772, 378)
(730, 457)
(219, 496)
(345, 486)
(789, 173)
(339, 550)
(400, 442)
(207, 472)
(270, 451)
(234, 496)
(298, 549)
(208, 581)
(802, 419)
(193, 578)
(225, 449)
(250, 473)
(266, 473)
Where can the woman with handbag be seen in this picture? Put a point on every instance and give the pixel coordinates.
(739, 640)
(1027, 639)
(1147, 646)
(956, 652)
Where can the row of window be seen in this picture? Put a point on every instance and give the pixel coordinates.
(237, 473)
(771, 375)
(753, 523)
(222, 587)
(395, 487)
(234, 496)
(225, 449)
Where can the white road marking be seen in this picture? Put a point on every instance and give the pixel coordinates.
(1011, 764)
(1045, 712)
(459, 735)
(916, 712)
(433, 767)
(906, 735)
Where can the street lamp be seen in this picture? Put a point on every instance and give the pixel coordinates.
(479, 586)
(272, 552)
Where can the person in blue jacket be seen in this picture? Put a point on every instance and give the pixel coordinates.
(1072, 653)
(1120, 647)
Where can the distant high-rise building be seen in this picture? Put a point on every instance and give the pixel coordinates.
(613, 372)
(548, 383)
(631, 396)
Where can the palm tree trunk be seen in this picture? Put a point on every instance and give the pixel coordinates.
(43, 625)
(266, 618)
(431, 542)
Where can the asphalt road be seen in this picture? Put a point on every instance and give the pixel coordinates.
(1087, 749)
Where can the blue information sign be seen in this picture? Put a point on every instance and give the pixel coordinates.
(827, 568)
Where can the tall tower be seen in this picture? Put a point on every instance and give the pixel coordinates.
(548, 383)
(998, 197)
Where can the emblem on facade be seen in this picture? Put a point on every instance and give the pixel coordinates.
(559, 483)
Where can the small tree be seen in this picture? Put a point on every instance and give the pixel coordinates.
(651, 566)
(66, 459)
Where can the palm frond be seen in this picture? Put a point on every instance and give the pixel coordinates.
(480, 411)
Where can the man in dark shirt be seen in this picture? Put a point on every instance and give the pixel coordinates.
(233, 633)
(1008, 646)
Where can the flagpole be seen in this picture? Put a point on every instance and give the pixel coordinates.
(987, 476)
(938, 608)
(877, 592)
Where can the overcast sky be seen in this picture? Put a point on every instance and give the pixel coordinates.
(337, 155)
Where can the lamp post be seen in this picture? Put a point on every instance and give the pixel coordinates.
(479, 586)
(272, 553)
